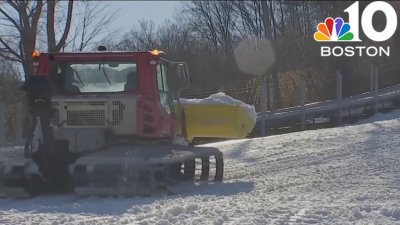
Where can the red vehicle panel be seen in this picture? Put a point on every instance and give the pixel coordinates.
(152, 120)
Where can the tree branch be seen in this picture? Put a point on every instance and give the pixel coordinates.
(13, 4)
(7, 57)
(61, 43)
(38, 12)
(9, 49)
(10, 19)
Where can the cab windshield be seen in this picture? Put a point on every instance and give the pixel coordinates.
(98, 77)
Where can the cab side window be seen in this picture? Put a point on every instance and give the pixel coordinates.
(163, 87)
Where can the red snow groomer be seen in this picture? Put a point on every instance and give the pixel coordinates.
(104, 123)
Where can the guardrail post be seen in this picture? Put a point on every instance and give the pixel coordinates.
(303, 102)
(339, 95)
(376, 78)
(263, 100)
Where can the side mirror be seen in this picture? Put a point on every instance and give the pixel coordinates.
(179, 75)
(183, 74)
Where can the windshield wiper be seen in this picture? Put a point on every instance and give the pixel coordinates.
(105, 74)
(79, 77)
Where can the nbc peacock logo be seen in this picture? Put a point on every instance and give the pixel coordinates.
(333, 30)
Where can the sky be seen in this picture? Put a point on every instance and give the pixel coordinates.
(130, 12)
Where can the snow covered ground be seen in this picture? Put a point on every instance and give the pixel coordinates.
(346, 175)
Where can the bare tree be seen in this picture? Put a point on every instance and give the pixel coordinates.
(93, 21)
(143, 38)
(9, 80)
(269, 27)
(54, 46)
(214, 22)
(258, 18)
(249, 14)
(22, 21)
(21, 18)
(10, 97)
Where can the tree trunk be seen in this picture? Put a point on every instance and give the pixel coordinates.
(51, 37)
(266, 18)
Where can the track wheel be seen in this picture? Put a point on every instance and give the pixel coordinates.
(189, 168)
(205, 168)
(210, 164)
(219, 161)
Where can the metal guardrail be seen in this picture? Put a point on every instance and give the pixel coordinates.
(355, 101)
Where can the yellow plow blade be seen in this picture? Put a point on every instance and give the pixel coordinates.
(217, 121)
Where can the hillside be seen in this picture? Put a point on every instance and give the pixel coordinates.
(345, 175)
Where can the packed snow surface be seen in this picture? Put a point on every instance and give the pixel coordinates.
(345, 175)
(222, 99)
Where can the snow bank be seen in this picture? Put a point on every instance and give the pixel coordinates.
(222, 99)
